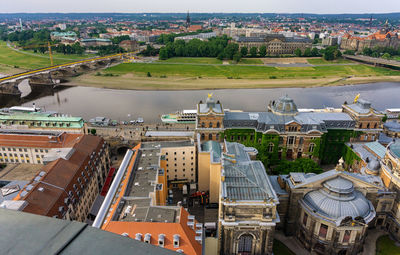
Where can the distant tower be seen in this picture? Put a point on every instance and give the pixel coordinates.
(20, 24)
(370, 23)
(187, 20)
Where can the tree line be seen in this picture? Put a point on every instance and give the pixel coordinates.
(218, 47)
(383, 52)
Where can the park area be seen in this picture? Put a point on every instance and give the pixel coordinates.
(386, 246)
(13, 61)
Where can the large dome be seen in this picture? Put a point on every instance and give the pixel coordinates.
(338, 200)
(284, 105)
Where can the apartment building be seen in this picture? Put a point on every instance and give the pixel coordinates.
(67, 187)
(28, 146)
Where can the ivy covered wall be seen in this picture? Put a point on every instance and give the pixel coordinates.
(333, 144)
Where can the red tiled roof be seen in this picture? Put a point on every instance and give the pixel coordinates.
(187, 241)
(65, 140)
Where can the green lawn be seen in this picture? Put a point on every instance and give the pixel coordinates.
(251, 61)
(321, 61)
(192, 60)
(280, 249)
(386, 246)
(250, 72)
(13, 58)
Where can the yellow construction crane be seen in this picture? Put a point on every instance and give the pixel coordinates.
(43, 45)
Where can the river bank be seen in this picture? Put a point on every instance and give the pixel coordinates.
(136, 82)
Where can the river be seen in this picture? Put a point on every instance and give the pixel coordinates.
(90, 102)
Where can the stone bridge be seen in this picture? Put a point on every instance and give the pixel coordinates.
(393, 64)
(54, 75)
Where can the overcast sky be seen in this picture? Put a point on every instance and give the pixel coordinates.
(260, 6)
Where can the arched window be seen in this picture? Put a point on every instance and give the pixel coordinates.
(245, 244)
(218, 125)
(217, 137)
(311, 148)
(367, 125)
(270, 147)
(210, 125)
(375, 126)
(203, 125)
(209, 136)
(203, 136)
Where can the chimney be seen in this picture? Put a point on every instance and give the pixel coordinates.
(147, 238)
(138, 236)
(161, 238)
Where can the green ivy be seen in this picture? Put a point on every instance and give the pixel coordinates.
(350, 156)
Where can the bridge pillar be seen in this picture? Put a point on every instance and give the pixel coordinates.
(44, 79)
(10, 88)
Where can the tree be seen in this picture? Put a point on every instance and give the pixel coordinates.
(148, 74)
(262, 51)
(244, 51)
(93, 131)
(367, 52)
(307, 52)
(297, 52)
(384, 119)
(253, 51)
(230, 50)
(386, 56)
(314, 52)
(163, 55)
(304, 165)
(237, 57)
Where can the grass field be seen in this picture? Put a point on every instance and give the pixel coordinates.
(250, 61)
(249, 72)
(281, 249)
(10, 58)
(386, 246)
(192, 60)
(321, 61)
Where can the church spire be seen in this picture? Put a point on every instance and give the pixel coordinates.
(187, 20)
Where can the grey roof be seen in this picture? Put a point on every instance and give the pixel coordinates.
(169, 134)
(338, 200)
(270, 37)
(361, 106)
(305, 179)
(395, 149)
(210, 105)
(392, 126)
(263, 121)
(384, 139)
(214, 148)
(20, 235)
(10, 189)
(244, 179)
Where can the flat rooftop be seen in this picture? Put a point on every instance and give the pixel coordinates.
(20, 172)
(165, 144)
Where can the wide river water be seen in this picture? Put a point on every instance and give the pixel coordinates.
(90, 102)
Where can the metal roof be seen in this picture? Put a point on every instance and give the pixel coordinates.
(392, 126)
(244, 179)
(338, 200)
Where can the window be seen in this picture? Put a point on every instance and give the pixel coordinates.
(323, 230)
(311, 148)
(166, 153)
(218, 125)
(217, 137)
(210, 125)
(203, 136)
(346, 236)
(175, 153)
(270, 147)
(183, 152)
(292, 129)
(203, 124)
(210, 137)
(245, 244)
(305, 218)
(291, 140)
(301, 140)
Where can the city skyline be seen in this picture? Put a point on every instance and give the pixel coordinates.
(207, 6)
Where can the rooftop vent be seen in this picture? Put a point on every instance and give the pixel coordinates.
(138, 236)
(176, 240)
(41, 189)
(147, 238)
(179, 251)
(161, 239)
(125, 234)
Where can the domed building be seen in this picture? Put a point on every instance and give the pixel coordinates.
(334, 218)
(283, 106)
